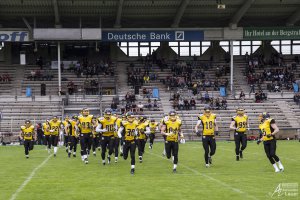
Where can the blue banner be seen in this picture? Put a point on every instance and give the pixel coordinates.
(155, 93)
(222, 91)
(296, 87)
(151, 36)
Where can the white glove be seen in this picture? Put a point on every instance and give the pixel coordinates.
(51, 131)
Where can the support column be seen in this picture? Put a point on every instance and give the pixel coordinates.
(231, 67)
(59, 70)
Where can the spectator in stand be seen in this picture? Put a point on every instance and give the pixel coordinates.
(218, 103)
(193, 104)
(206, 97)
(71, 87)
(242, 96)
(149, 104)
(297, 98)
(224, 103)
(181, 104)
(175, 104)
(186, 104)
(32, 75)
(252, 88)
(155, 105)
(114, 106)
(140, 108)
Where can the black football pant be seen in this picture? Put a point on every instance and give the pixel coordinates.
(152, 137)
(107, 142)
(209, 145)
(141, 146)
(73, 143)
(96, 142)
(172, 149)
(129, 145)
(54, 140)
(47, 141)
(28, 145)
(85, 143)
(270, 149)
(66, 138)
(116, 146)
(240, 138)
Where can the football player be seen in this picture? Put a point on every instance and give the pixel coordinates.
(141, 136)
(240, 125)
(106, 126)
(66, 137)
(210, 129)
(70, 129)
(116, 137)
(153, 128)
(128, 132)
(269, 129)
(171, 128)
(55, 125)
(86, 136)
(46, 130)
(28, 134)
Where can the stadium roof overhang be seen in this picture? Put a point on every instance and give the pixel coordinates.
(148, 13)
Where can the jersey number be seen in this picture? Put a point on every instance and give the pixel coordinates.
(85, 124)
(242, 124)
(130, 132)
(110, 128)
(209, 125)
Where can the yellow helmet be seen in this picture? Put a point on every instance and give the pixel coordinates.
(240, 111)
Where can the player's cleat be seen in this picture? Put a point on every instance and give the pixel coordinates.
(277, 170)
(209, 160)
(237, 158)
(86, 161)
(27, 156)
(207, 165)
(94, 153)
(141, 159)
(116, 159)
(132, 171)
(99, 148)
(108, 159)
(174, 170)
(74, 154)
(69, 154)
(67, 150)
(54, 155)
(121, 154)
(103, 162)
(241, 154)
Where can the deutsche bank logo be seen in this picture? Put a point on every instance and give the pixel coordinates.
(179, 35)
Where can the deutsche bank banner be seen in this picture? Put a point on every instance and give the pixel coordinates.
(14, 36)
(151, 36)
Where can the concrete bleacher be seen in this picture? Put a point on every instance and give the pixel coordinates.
(6, 88)
(106, 82)
(16, 110)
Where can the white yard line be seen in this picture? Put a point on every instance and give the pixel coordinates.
(210, 178)
(13, 197)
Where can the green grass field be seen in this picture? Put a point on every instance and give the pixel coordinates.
(68, 178)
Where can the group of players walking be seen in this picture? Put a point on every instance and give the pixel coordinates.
(111, 131)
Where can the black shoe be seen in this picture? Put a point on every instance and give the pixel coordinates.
(237, 158)
(174, 170)
(108, 159)
(74, 155)
(121, 154)
(54, 155)
(67, 150)
(69, 154)
(209, 160)
(241, 154)
(141, 159)
(86, 161)
(132, 171)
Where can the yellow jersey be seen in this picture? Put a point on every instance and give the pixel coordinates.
(46, 128)
(172, 128)
(141, 128)
(208, 124)
(55, 126)
(118, 124)
(241, 123)
(86, 124)
(129, 128)
(27, 133)
(267, 129)
(109, 125)
(153, 127)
